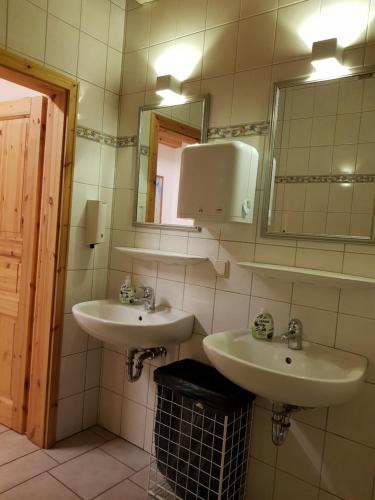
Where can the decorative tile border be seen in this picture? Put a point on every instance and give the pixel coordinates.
(125, 142)
(94, 135)
(340, 178)
(244, 130)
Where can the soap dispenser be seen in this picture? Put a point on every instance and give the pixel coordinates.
(127, 292)
(263, 326)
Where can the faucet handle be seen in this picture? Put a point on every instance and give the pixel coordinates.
(295, 326)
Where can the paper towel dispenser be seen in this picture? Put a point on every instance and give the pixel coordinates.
(218, 182)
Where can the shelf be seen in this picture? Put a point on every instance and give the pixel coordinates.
(310, 276)
(161, 256)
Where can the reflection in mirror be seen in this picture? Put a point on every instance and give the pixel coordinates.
(322, 160)
(163, 134)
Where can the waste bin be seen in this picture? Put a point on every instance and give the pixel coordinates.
(201, 434)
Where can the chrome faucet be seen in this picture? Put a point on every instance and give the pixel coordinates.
(294, 334)
(148, 298)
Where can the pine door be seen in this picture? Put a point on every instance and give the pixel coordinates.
(22, 130)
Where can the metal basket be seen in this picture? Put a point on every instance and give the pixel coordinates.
(198, 452)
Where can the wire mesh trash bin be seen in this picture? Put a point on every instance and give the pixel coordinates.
(201, 434)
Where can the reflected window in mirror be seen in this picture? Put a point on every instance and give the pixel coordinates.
(321, 166)
(164, 132)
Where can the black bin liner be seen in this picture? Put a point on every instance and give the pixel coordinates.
(198, 417)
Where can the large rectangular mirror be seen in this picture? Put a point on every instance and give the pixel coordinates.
(164, 131)
(321, 162)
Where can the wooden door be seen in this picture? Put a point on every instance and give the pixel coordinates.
(22, 130)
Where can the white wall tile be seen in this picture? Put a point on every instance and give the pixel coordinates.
(69, 416)
(91, 68)
(93, 366)
(113, 371)
(260, 480)
(69, 10)
(116, 27)
(72, 374)
(74, 339)
(256, 39)
(110, 407)
(221, 12)
(95, 18)
(200, 302)
(288, 487)
(62, 45)
(25, 36)
(230, 311)
(90, 408)
(348, 468)
(133, 422)
(220, 50)
(301, 454)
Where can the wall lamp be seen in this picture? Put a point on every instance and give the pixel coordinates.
(327, 57)
(168, 87)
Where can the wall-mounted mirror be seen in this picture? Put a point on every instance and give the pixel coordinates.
(321, 162)
(164, 131)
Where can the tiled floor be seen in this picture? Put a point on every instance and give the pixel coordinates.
(91, 464)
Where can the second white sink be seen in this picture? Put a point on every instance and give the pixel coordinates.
(315, 376)
(116, 323)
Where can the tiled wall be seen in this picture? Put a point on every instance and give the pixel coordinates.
(84, 39)
(244, 47)
(325, 130)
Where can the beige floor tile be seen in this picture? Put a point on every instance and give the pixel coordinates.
(141, 478)
(125, 490)
(13, 445)
(127, 453)
(3, 428)
(74, 446)
(43, 487)
(108, 436)
(24, 468)
(91, 474)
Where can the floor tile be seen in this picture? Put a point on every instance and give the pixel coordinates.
(108, 436)
(3, 428)
(125, 490)
(13, 445)
(43, 487)
(91, 474)
(74, 446)
(141, 478)
(24, 468)
(127, 453)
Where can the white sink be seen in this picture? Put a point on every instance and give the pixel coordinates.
(116, 323)
(315, 376)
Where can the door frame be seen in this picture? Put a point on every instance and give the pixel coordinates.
(44, 346)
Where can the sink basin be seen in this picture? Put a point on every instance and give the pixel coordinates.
(316, 376)
(116, 323)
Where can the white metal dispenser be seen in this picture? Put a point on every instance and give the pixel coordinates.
(96, 213)
(218, 182)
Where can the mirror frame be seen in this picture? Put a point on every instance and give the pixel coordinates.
(205, 99)
(366, 71)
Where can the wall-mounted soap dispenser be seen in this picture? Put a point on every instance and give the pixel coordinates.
(96, 213)
(218, 182)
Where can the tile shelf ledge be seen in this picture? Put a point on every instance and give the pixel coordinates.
(309, 276)
(161, 256)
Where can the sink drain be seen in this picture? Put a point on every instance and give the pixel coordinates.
(288, 361)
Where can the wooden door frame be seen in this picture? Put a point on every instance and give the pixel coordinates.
(53, 239)
(156, 123)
